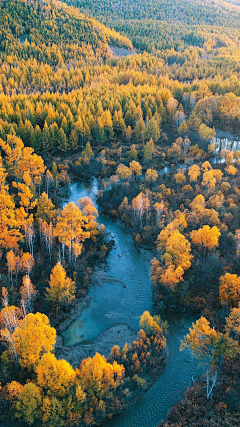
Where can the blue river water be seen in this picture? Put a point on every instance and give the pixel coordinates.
(112, 303)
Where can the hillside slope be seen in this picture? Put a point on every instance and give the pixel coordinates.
(52, 32)
(158, 24)
(197, 12)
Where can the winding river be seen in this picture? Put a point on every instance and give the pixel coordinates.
(114, 304)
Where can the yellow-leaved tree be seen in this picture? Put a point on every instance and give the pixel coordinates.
(194, 172)
(61, 290)
(229, 290)
(209, 346)
(176, 259)
(97, 377)
(29, 401)
(33, 337)
(206, 237)
(149, 324)
(55, 376)
(71, 230)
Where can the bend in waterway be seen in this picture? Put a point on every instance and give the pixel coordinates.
(113, 304)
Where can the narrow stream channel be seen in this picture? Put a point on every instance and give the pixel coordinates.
(113, 304)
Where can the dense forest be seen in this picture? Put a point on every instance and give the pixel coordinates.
(171, 24)
(136, 95)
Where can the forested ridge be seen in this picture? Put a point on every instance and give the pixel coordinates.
(200, 12)
(52, 32)
(135, 94)
(192, 22)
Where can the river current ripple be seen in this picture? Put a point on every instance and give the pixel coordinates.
(113, 304)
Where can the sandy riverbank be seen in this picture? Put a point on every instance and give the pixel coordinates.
(118, 334)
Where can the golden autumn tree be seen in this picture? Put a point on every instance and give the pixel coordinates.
(233, 322)
(204, 341)
(179, 223)
(123, 172)
(206, 237)
(88, 209)
(27, 262)
(45, 209)
(97, 377)
(135, 168)
(211, 176)
(33, 337)
(25, 167)
(180, 178)
(200, 214)
(209, 346)
(206, 133)
(229, 290)
(194, 172)
(13, 149)
(61, 290)
(28, 405)
(12, 390)
(168, 277)
(175, 260)
(32, 164)
(151, 175)
(149, 324)
(55, 411)
(26, 196)
(10, 225)
(178, 251)
(71, 230)
(199, 200)
(56, 376)
(22, 162)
